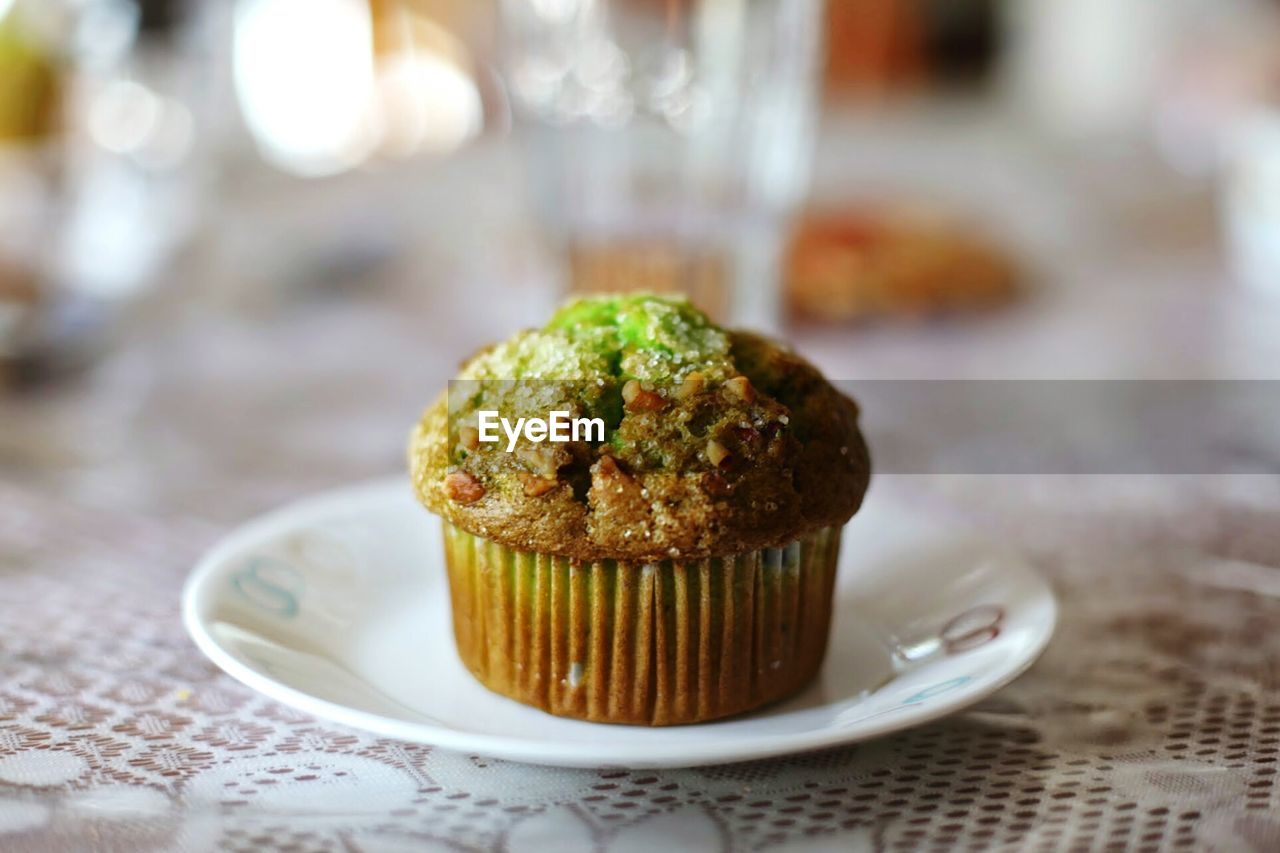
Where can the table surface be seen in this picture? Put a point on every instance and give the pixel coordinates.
(1152, 722)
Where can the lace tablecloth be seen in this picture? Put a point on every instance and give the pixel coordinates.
(1151, 723)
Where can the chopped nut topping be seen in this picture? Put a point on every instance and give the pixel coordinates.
(608, 470)
(715, 484)
(741, 388)
(540, 458)
(639, 399)
(462, 487)
(535, 486)
(468, 438)
(718, 453)
(692, 384)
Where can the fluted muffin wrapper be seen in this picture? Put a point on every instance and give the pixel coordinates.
(657, 643)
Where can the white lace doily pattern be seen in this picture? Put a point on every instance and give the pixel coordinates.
(1153, 721)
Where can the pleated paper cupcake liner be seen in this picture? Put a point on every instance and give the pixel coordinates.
(661, 643)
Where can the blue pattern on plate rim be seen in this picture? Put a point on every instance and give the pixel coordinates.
(271, 584)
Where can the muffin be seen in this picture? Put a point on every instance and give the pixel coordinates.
(675, 564)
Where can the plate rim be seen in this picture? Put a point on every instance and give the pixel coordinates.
(196, 591)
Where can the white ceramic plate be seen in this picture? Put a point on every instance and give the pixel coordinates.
(338, 606)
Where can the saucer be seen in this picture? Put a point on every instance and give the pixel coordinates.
(339, 606)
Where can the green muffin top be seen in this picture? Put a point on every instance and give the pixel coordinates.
(709, 442)
(645, 337)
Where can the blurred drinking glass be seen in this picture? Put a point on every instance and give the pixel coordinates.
(96, 189)
(31, 90)
(668, 141)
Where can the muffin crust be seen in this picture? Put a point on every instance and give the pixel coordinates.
(717, 442)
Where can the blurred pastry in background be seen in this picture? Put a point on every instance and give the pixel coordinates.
(868, 262)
